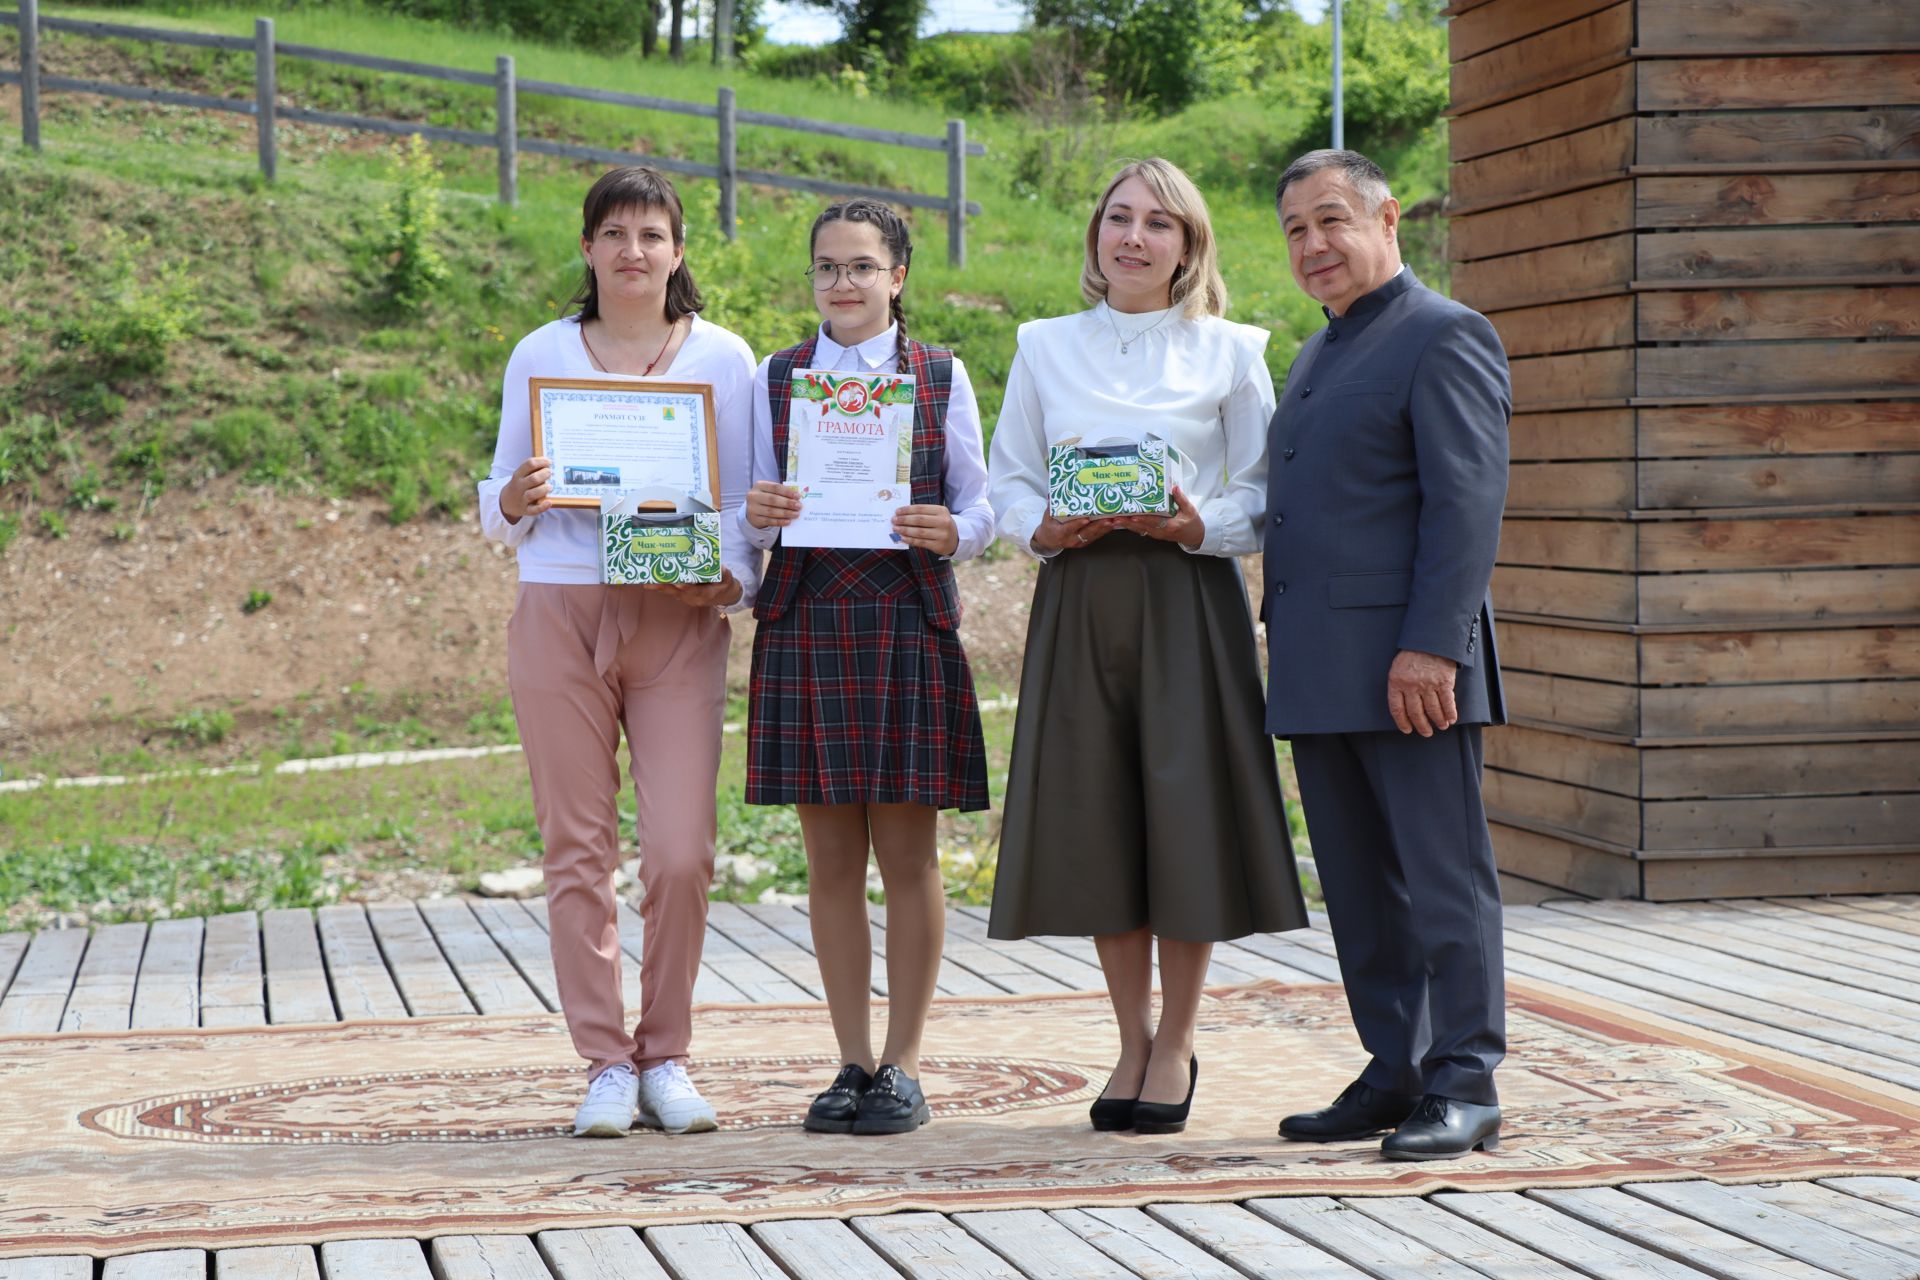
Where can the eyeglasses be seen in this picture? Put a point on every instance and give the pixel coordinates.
(825, 275)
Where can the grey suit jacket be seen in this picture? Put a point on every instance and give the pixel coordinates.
(1386, 480)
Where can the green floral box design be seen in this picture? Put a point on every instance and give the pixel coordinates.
(642, 549)
(1110, 479)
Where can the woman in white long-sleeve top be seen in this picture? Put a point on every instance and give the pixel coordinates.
(1143, 799)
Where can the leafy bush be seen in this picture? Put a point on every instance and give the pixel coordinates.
(31, 447)
(138, 313)
(968, 72)
(1157, 56)
(201, 728)
(1393, 69)
(414, 267)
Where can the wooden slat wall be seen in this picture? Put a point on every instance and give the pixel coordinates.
(1697, 228)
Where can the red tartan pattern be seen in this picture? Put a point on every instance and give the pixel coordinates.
(861, 691)
(932, 370)
(857, 701)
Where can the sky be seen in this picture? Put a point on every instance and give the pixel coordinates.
(794, 23)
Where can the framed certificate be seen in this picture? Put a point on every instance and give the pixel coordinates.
(850, 453)
(608, 435)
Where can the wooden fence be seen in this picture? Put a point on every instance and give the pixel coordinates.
(267, 111)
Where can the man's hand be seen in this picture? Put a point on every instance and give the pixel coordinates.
(1420, 692)
(700, 595)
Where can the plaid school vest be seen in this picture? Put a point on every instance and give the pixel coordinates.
(932, 370)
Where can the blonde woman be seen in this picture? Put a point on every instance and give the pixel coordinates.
(1143, 803)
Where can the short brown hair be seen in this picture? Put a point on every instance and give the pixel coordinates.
(637, 187)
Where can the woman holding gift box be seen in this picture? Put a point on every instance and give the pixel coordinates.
(862, 706)
(585, 660)
(1143, 802)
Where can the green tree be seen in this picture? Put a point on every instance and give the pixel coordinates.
(1160, 55)
(1394, 68)
(890, 26)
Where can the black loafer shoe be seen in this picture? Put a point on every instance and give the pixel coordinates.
(1359, 1112)
(1442, 1128)
(893, 1103)
(834, 1111)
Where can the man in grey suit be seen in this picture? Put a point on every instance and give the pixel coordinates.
(1387, 476)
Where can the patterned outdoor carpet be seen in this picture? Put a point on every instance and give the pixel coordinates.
(216, 1139)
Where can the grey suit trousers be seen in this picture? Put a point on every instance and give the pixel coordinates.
(1400, 838)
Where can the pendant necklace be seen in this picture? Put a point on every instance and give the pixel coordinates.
(671, 330)
(1128, 339)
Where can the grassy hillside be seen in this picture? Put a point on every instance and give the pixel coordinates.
(172, 317)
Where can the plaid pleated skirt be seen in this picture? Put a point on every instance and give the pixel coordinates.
(856, 700)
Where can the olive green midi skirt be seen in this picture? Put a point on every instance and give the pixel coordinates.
(1143, 788)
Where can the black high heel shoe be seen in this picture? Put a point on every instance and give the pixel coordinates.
(1167, 1117)
(1110, 1115)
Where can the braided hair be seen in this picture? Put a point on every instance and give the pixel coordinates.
(893, 231)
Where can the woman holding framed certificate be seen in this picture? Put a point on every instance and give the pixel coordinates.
(1143, 801)
(585, 660)
(862, 707)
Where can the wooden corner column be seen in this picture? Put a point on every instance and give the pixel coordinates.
(1696, 225)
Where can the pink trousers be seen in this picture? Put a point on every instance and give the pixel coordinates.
(582, 662)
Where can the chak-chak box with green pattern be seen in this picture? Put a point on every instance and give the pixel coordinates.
(642, 547)
(1111, 478)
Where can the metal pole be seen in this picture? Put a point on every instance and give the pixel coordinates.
(728, 164)
(723, 32)
(506, 129)
(1339, 107)
(30, 73)
(956, 193)
(265, 87)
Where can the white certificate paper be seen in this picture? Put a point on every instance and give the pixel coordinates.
(850, 453)
(608, 436)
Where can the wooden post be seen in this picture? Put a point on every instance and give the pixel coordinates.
(957, 193)
(722, 32)
(265, 87)
(30, 73)
(728, 164)
(506, 129)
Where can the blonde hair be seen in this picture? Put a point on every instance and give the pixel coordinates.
(1197, 287)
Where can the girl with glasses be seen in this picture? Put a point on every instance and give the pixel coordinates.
(863, 712)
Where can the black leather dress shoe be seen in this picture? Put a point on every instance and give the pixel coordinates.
(1167, 1117)
(893, 1103)
(1359, 1112)
(834, 1110)
(1442, 1128)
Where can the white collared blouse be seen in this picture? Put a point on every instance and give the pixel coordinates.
(1200, 383)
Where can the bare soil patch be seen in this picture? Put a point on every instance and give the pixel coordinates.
(105, 644)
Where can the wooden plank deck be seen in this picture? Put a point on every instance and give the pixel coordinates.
(1830, 978)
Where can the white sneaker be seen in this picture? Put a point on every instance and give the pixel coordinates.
(669, 1101)
(608, 1110)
